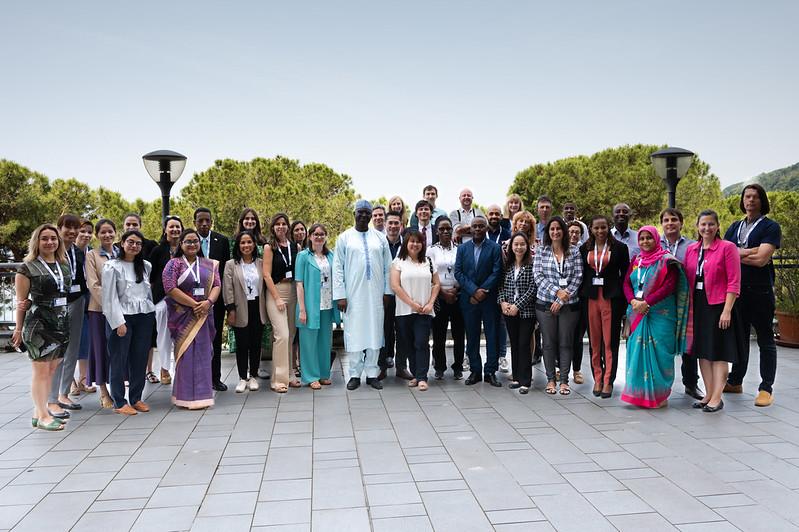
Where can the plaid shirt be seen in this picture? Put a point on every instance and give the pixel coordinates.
(547, 277)
(524, 284)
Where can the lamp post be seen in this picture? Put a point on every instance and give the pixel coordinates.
(671, 164)
(165, 167)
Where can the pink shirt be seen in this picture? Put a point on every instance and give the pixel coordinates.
(722, 270)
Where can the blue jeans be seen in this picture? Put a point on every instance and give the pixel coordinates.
(128, 357)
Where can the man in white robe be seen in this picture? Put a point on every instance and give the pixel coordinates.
(360, 282)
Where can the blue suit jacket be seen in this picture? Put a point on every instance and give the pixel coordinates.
(485, 274)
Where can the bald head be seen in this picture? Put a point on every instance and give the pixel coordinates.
(494, 216)
(621, 216)
(466, 198)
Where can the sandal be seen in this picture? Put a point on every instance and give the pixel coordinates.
(423, 386)
(280, 388)
(315, 385)
(325, 382)
(413, 383)
(564, 389)
(294, 384)
(550, 389)
(166, 378)
(74, 389)
(106, 402)
(152, 378)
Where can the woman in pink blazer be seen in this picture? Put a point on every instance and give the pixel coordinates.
(713, 269)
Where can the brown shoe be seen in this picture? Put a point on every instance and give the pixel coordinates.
(141, 406)
(166, 378)
(403, 373)
(578, 377)
(764, 398)
(126, 410)
(733, 388)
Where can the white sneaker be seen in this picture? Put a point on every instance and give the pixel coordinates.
(241, 386)
(465, 364)
(252, 384)
(503, 364)
(264, 373)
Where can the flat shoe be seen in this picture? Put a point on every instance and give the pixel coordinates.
(53, 425)
(514, 385)
(152, 378)
(698, 404)
(578, 377)
(708, 408)
(423, 386)
(140, 406)
(413, 383)
(60, 415)
(70, 406)
(524, 390)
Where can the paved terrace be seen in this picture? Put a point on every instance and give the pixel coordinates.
(454, 458)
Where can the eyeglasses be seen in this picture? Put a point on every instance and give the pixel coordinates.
(133, 243)
(191, 242)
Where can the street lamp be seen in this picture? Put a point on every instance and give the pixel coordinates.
(671, 164)
(165, 167)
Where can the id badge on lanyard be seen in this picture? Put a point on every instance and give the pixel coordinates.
(59, 282)
(598, 262)
(73, 266)
(562, 282)
(639, 294)
(199, 290)
(700, 270)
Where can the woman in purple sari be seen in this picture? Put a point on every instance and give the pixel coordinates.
(192, 286)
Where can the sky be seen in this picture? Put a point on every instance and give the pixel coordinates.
(397, 95)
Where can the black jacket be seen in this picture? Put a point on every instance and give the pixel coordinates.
(613, 274)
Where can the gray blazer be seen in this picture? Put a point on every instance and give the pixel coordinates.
(234, 292)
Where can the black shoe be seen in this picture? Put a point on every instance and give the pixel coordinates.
(606, 395)
(457, 375)
(473, 378)
(403, 373)
(514, 385)
(439, 375)
(389, 362)
(382, 375)
(695, 392)
(524, 390)
(708, 408)
(699, 404)
(220, 386)
(60, 415)
(70, 406)
(597, 393)
(491, 379)
(353, 383)
(374, 382)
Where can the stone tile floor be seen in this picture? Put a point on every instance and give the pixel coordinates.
(452, 458)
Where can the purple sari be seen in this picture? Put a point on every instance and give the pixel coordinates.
(193, 336)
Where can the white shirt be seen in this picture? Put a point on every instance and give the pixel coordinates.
(326, 286)
(122, 294)
(251, 279)
(416, 280)
(444, 261)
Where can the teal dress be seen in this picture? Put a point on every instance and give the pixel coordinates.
(316, 334)
(656, 337)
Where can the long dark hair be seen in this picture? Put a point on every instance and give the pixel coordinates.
(313, 228)
(510, 256)
(257, 232)
(591, 240)
(183, 235)
(290, 236)
(415, 235)
(272, 236)
(138, 259)
(765, 206)
(164, 239)
(564, 241)
(237, 245)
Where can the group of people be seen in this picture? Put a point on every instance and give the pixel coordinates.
(536, 286)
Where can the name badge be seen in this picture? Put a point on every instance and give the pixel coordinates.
(562, 282)
(598, 281)
(700, 285)
(200, 291)
(639, 294)
(59, 302)
(289, 275)
(74, 289)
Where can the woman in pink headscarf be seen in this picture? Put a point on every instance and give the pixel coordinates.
(657, 291)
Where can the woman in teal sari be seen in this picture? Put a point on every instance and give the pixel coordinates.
(657, 290)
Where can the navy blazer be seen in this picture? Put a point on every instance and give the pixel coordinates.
(486, 274)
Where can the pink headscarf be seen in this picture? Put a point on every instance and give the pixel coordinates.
(650, 257)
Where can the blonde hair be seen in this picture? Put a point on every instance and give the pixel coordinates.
(524, 215)
(33, 244)
(404, 209)
(506, 210)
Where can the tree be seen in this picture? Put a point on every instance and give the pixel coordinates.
(311, 192)
(623, 174)
(22, 205)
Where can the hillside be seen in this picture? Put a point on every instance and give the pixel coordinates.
(783, 179)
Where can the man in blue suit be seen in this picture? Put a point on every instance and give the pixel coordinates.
(478, 269)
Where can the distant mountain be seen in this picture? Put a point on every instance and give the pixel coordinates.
(783, 179)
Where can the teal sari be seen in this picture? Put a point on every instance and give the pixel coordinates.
(656, 337)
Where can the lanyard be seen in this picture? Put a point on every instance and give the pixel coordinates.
(743, 243)
(192, 268)
(641, 276)
(286, 262)
(700, 264)
(499, 234)
(560, 265)
(73, 261)
(599, 260)
(673, 250)
(59, 281)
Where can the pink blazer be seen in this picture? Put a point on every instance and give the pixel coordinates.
(722, 270)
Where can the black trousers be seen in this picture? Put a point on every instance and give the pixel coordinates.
(414, 337)
(391, 347)
(448, 314)
(248, 342)
(757, 310)
(520, 332)
(219, 323)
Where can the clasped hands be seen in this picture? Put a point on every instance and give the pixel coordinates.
(201, 308)
(640, 306)
(479, 296)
